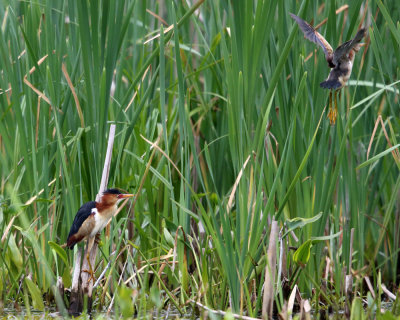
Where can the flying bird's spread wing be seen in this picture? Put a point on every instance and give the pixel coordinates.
(311, 34)
(345, 48)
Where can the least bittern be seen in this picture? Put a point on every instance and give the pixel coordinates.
(340, 60)
(91, 218)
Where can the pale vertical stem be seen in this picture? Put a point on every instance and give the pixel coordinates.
(77, 269)
(269, 281)
(76, 303)
(88, 287)
(107, 162)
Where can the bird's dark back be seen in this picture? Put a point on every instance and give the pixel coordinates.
(83, 213)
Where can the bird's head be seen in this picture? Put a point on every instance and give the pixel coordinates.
(329, 59)
(111, 197)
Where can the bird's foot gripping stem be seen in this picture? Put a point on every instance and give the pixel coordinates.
(91, 276)
(90, 271)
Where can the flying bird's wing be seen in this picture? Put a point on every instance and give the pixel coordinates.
(345, 48)
(311, 34)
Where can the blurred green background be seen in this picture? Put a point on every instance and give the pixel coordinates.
(230, 92)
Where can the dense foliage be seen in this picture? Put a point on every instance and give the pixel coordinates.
(221, 128)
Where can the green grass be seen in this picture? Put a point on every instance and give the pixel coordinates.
(242, 135)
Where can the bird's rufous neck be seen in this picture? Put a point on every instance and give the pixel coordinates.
(106, 209)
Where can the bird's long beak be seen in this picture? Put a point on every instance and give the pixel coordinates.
(125, 195)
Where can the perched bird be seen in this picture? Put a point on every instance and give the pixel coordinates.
(340, 60)
(92, 217)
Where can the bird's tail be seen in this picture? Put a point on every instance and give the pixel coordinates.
(72, 240)
(330, 84)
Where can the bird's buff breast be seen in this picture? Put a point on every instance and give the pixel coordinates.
(101, 220)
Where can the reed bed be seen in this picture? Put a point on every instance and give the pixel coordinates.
(221, 130)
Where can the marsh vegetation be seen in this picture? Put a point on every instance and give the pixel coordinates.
(222, 132)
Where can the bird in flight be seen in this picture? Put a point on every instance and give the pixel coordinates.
(339, 60)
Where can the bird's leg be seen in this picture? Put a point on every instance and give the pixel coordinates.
(90, 271)
(330, 113)
(335, 112)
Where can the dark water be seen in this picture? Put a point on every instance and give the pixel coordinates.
(51, 313)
